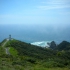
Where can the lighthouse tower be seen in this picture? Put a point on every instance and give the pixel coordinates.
(9, 37)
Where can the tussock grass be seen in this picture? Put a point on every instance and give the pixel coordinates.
(13, 51)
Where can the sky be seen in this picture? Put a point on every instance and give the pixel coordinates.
(37, 19)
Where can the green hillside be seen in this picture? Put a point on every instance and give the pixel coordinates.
(30, 50)
(64, 45)
(18, 55)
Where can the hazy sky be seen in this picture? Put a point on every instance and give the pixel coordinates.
(42, 16)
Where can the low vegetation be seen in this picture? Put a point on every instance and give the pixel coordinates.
(13, 51)
(24, 56)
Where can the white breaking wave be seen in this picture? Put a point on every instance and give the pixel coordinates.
(42, 43)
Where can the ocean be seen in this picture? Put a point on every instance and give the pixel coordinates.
(31, 34)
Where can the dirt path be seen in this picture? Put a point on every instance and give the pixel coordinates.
(7, 48)
(5, 42)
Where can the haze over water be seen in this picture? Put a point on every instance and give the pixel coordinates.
(35, 20)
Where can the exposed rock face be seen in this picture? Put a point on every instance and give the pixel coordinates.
(53, 45)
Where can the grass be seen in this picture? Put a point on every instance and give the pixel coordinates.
(37, 67)
(6, 63)
(13, 51)
(51, 69)
(2, 50)
(8, 66)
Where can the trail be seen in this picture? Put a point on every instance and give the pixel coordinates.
(5, 42)
(7, 48)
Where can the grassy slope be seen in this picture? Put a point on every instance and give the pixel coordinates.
(13, 51)
(17, 61)
(31, 50)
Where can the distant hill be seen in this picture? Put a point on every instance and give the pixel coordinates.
(53, 45)
(64, 45)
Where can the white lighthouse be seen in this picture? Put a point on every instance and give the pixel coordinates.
(9, 37)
